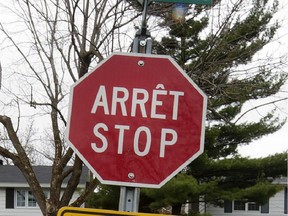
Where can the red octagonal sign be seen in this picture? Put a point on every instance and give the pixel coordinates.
(136, 120)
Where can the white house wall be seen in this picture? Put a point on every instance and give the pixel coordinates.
(276, 208)
(276, 204)
(16, 211)
(2, 198)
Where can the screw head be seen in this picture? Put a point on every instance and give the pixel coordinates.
(143, 43)
(141, 63)
(131, 175)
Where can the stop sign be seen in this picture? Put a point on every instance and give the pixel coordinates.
(136, 120)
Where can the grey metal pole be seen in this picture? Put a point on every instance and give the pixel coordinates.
(144, 15)
(129, 199)
(142, 43)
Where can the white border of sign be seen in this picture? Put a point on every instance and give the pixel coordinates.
(131, 184)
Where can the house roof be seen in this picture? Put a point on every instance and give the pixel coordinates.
(12, 176)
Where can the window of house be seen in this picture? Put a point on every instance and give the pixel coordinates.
(31, 200)
(252, 206)
(25, 199)
(239, 205)
(245, 206)
(20, 198)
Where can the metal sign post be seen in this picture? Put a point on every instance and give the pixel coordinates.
(129, 199)
(142, 43)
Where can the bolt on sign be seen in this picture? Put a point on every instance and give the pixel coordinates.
(136, 120)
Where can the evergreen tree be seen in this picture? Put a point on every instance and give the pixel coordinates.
(212, 62)
(222, 179)
(105, 197)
